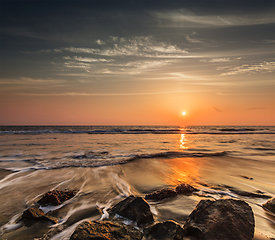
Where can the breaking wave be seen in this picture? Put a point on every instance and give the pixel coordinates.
(133, 130)
(97, 160)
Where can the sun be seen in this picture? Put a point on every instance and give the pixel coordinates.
(183, 113)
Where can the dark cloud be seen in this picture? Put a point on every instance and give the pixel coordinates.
(217, 110)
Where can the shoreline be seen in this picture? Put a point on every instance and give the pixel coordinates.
(104, 186)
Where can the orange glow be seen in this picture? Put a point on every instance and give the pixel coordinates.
(183, 113)
(183, 141)
(182, 170)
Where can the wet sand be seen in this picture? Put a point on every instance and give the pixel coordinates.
(102, 187)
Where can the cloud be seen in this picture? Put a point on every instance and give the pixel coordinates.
(103, 94)
(41, 80)
(138, 46)
(269, 41)
(264, 67)
(100, 42)
(44, 51)
(216, 60)
(217, 110)
(187, 19)
(89, 60)
(192, 40)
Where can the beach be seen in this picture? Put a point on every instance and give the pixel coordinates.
(107, 164)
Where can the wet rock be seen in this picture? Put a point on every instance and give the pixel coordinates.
(170, 192)
(105, 230)
(225, 219)
(168, 230)
(161, 194)
(250, 194)
(34, 214)
(56, 197)
(134, 208)
(185, 189)
(270, 205)
(246, 177)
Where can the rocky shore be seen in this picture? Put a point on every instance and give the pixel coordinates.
(223, 219)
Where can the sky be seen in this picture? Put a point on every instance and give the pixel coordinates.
(137, 62)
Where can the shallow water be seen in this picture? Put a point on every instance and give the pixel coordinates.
(105, 168)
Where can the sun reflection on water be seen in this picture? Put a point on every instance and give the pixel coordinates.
(185, 169)
(182, 170)
(183, 141)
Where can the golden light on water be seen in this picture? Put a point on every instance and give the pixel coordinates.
(182, 170)
(183, 142)
(185, 169)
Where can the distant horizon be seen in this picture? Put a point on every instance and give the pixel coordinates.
(129, 125)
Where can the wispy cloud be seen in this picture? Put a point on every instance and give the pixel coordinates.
(219, 60)
(186, 18)
(264, 67)
(104, 94)
(138, 46)
(100, 42)
(89, 60)
(217, 110)
(192, 40)
(40, 80)
(43, 51)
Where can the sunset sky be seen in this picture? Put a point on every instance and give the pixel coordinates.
(137, 62)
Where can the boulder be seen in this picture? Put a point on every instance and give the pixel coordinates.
(34, 214)
(134, 208)
(105, 230)
(185, 189)
(171, 192)
(225, 219)
(168, 230)
(56, 197)
(161, 194)
(270, 205)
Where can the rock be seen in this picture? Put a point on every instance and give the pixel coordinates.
(246, 177)
(270, 205)
(56, 197)
(225, 219)
(170, 192)
(168, 230)
(185, 189)
(250, 194)
(134, 208)
(105, 230)
(161, 194)
(34, 214)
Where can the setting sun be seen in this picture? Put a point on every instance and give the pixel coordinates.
(183, 113)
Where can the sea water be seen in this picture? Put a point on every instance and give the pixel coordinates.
(108, 163)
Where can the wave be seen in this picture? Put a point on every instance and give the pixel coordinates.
(103, 159)
(136, 130)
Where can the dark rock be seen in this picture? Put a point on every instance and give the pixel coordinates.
(246, 177)
(168, 230)
(56, 197)
(161, 194)
(105, 230)
(134, 208)
(270, 205)
(225, 219)
(250, 194)
(34, 214)
(185, 189)
(170, 192)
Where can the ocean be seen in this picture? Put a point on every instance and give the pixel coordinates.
(108, 163)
